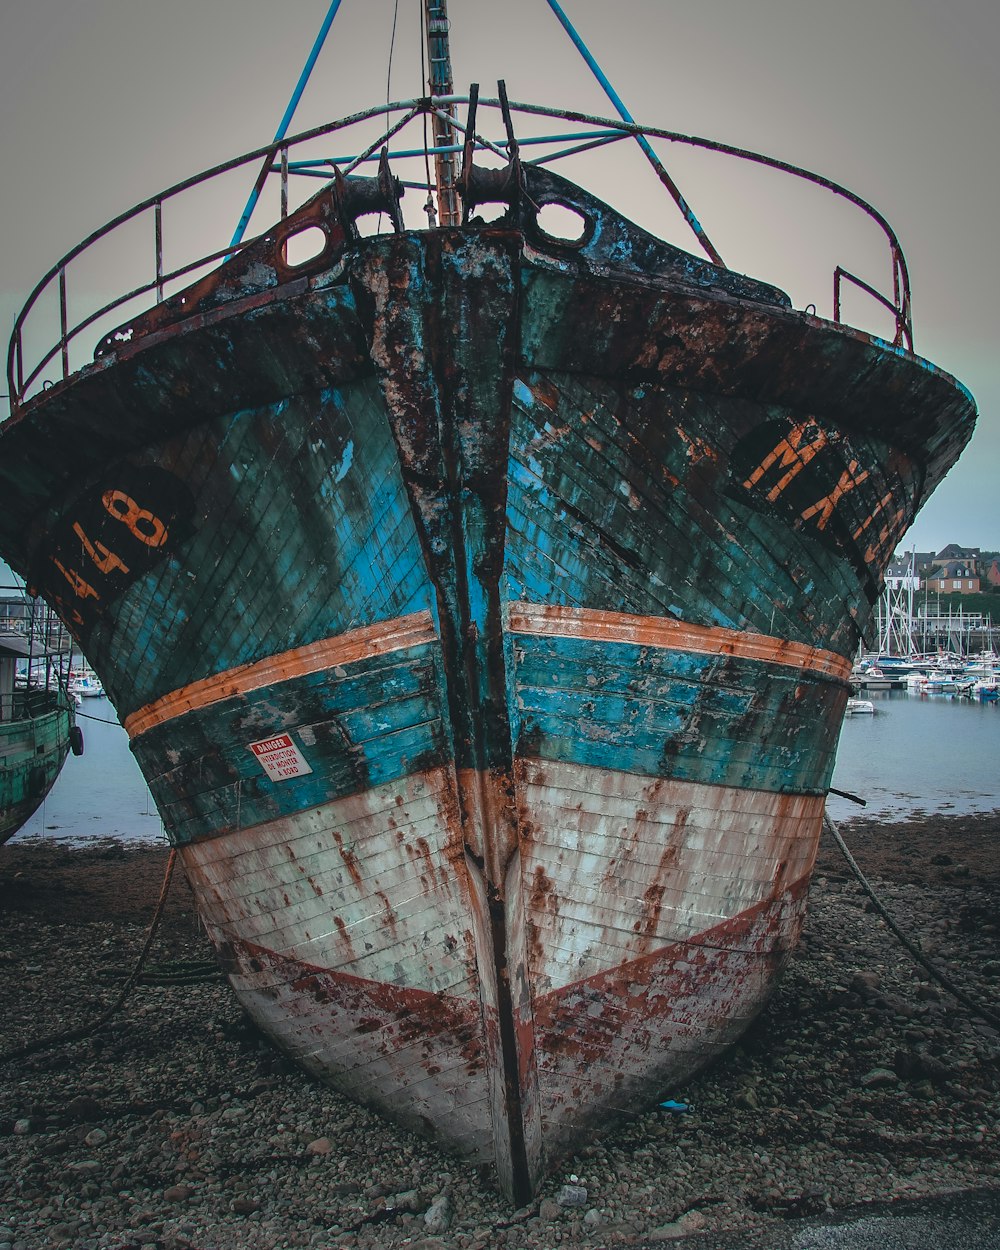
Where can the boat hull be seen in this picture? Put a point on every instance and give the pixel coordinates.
(33, 749)
(482, 626)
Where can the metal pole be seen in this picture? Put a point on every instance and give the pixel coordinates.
(286, 121)
(63, 322)
(643, 143)
(158, 232)
(440, 83)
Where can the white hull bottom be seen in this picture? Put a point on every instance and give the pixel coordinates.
(644, 923)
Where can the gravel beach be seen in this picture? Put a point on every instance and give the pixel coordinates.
(175, 1125)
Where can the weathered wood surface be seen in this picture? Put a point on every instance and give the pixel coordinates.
(540, 587)
(33, 749)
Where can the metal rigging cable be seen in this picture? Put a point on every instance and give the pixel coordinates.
(392, 47)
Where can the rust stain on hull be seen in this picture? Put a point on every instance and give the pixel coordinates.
(480, 607)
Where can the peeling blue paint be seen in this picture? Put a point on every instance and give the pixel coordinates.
(711, 719)
(368, 723)
(341, 470)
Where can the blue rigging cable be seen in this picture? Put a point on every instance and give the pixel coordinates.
(643, 143)
(286, 120)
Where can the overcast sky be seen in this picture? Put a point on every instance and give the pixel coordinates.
(104, 102)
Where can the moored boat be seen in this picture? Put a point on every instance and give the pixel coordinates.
(37, 732)
(84, 683)
(875, 678)
(984, 686)
(479, 599)
(939, 684)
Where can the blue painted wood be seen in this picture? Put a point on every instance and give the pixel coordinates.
(373, 722)
(301, 530)
(665, 713)
(631, 498)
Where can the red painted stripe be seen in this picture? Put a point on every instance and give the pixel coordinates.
(627, 980)
(347, 648)
(658, 631)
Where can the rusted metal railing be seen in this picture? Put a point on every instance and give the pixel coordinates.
(898, 305)
(587, 133)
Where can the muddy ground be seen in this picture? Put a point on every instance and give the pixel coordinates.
(175, 1126)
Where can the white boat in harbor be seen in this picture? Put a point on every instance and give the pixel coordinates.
(859, 707)
(875, 679)
(939, 684)
(985, 686)
(85, 684)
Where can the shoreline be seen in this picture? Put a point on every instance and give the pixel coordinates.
(177, 1126)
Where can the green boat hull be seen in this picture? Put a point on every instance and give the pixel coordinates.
(33, 749)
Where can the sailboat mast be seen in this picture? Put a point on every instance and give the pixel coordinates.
(439, 81)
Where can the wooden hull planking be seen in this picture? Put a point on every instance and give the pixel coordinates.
(482, 625)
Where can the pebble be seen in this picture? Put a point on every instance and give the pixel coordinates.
(690, 1222)
(438, 1215)
(879, 1078)
(178, 1127)
(177, 1193)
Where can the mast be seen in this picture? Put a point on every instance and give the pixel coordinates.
(439, 81)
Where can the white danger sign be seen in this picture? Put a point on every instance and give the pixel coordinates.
(280, 758)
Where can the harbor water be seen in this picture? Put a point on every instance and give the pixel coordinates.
(918, 754)
(100, 794)
(915, 755)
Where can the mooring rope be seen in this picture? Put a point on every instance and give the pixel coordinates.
(935, 973)
(100, 720)
(73, 1035)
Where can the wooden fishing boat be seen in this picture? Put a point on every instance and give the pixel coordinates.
(480, 600)
(37, 732)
